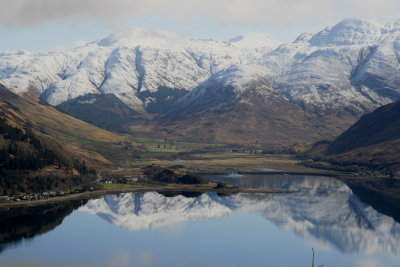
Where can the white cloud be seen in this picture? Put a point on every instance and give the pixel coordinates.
(29, 13)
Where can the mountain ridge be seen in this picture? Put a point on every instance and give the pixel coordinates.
(335, 75)
(144, 59)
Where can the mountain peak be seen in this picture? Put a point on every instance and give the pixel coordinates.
(304, 37)
(147, 68)
(355, 31)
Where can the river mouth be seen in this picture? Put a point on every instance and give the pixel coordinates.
(207, 229)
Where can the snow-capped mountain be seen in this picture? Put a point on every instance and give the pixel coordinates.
(325, 209)
(308, 90)
(330, 78)
(353, 63)
(127, 64)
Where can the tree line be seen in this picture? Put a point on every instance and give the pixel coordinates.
(22, 152)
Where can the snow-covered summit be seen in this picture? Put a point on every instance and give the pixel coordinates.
(125, 64)
(355, 31)
(352, 65)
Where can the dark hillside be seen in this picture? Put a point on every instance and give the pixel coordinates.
(25, 158)
(105, 111)
(380, 126)
(371, 146)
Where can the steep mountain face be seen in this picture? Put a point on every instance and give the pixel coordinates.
(324, 208)
(325, 81)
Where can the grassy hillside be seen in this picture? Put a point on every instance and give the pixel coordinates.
(47, 119)
(93, 143)
(30, 111)
(250, 119)
(380, 126)
(383, 156)
(374, 141)
(371, 145)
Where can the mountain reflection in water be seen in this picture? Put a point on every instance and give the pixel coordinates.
(325, 209)
(23, 223)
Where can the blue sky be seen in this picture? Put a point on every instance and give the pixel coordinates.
(54, 34)
(46, 24)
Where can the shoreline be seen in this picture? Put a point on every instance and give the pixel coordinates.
(330, 174)
(365, 182)
(98, 193)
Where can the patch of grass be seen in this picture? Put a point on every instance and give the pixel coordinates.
(161, 144)
(157, 155)
(209, 185)
(159, 148)
(69, 191)
(226, 155)
(115, 186)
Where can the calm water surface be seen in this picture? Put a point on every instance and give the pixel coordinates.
(151, 229)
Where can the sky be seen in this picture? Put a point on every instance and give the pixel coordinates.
(48, 24)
